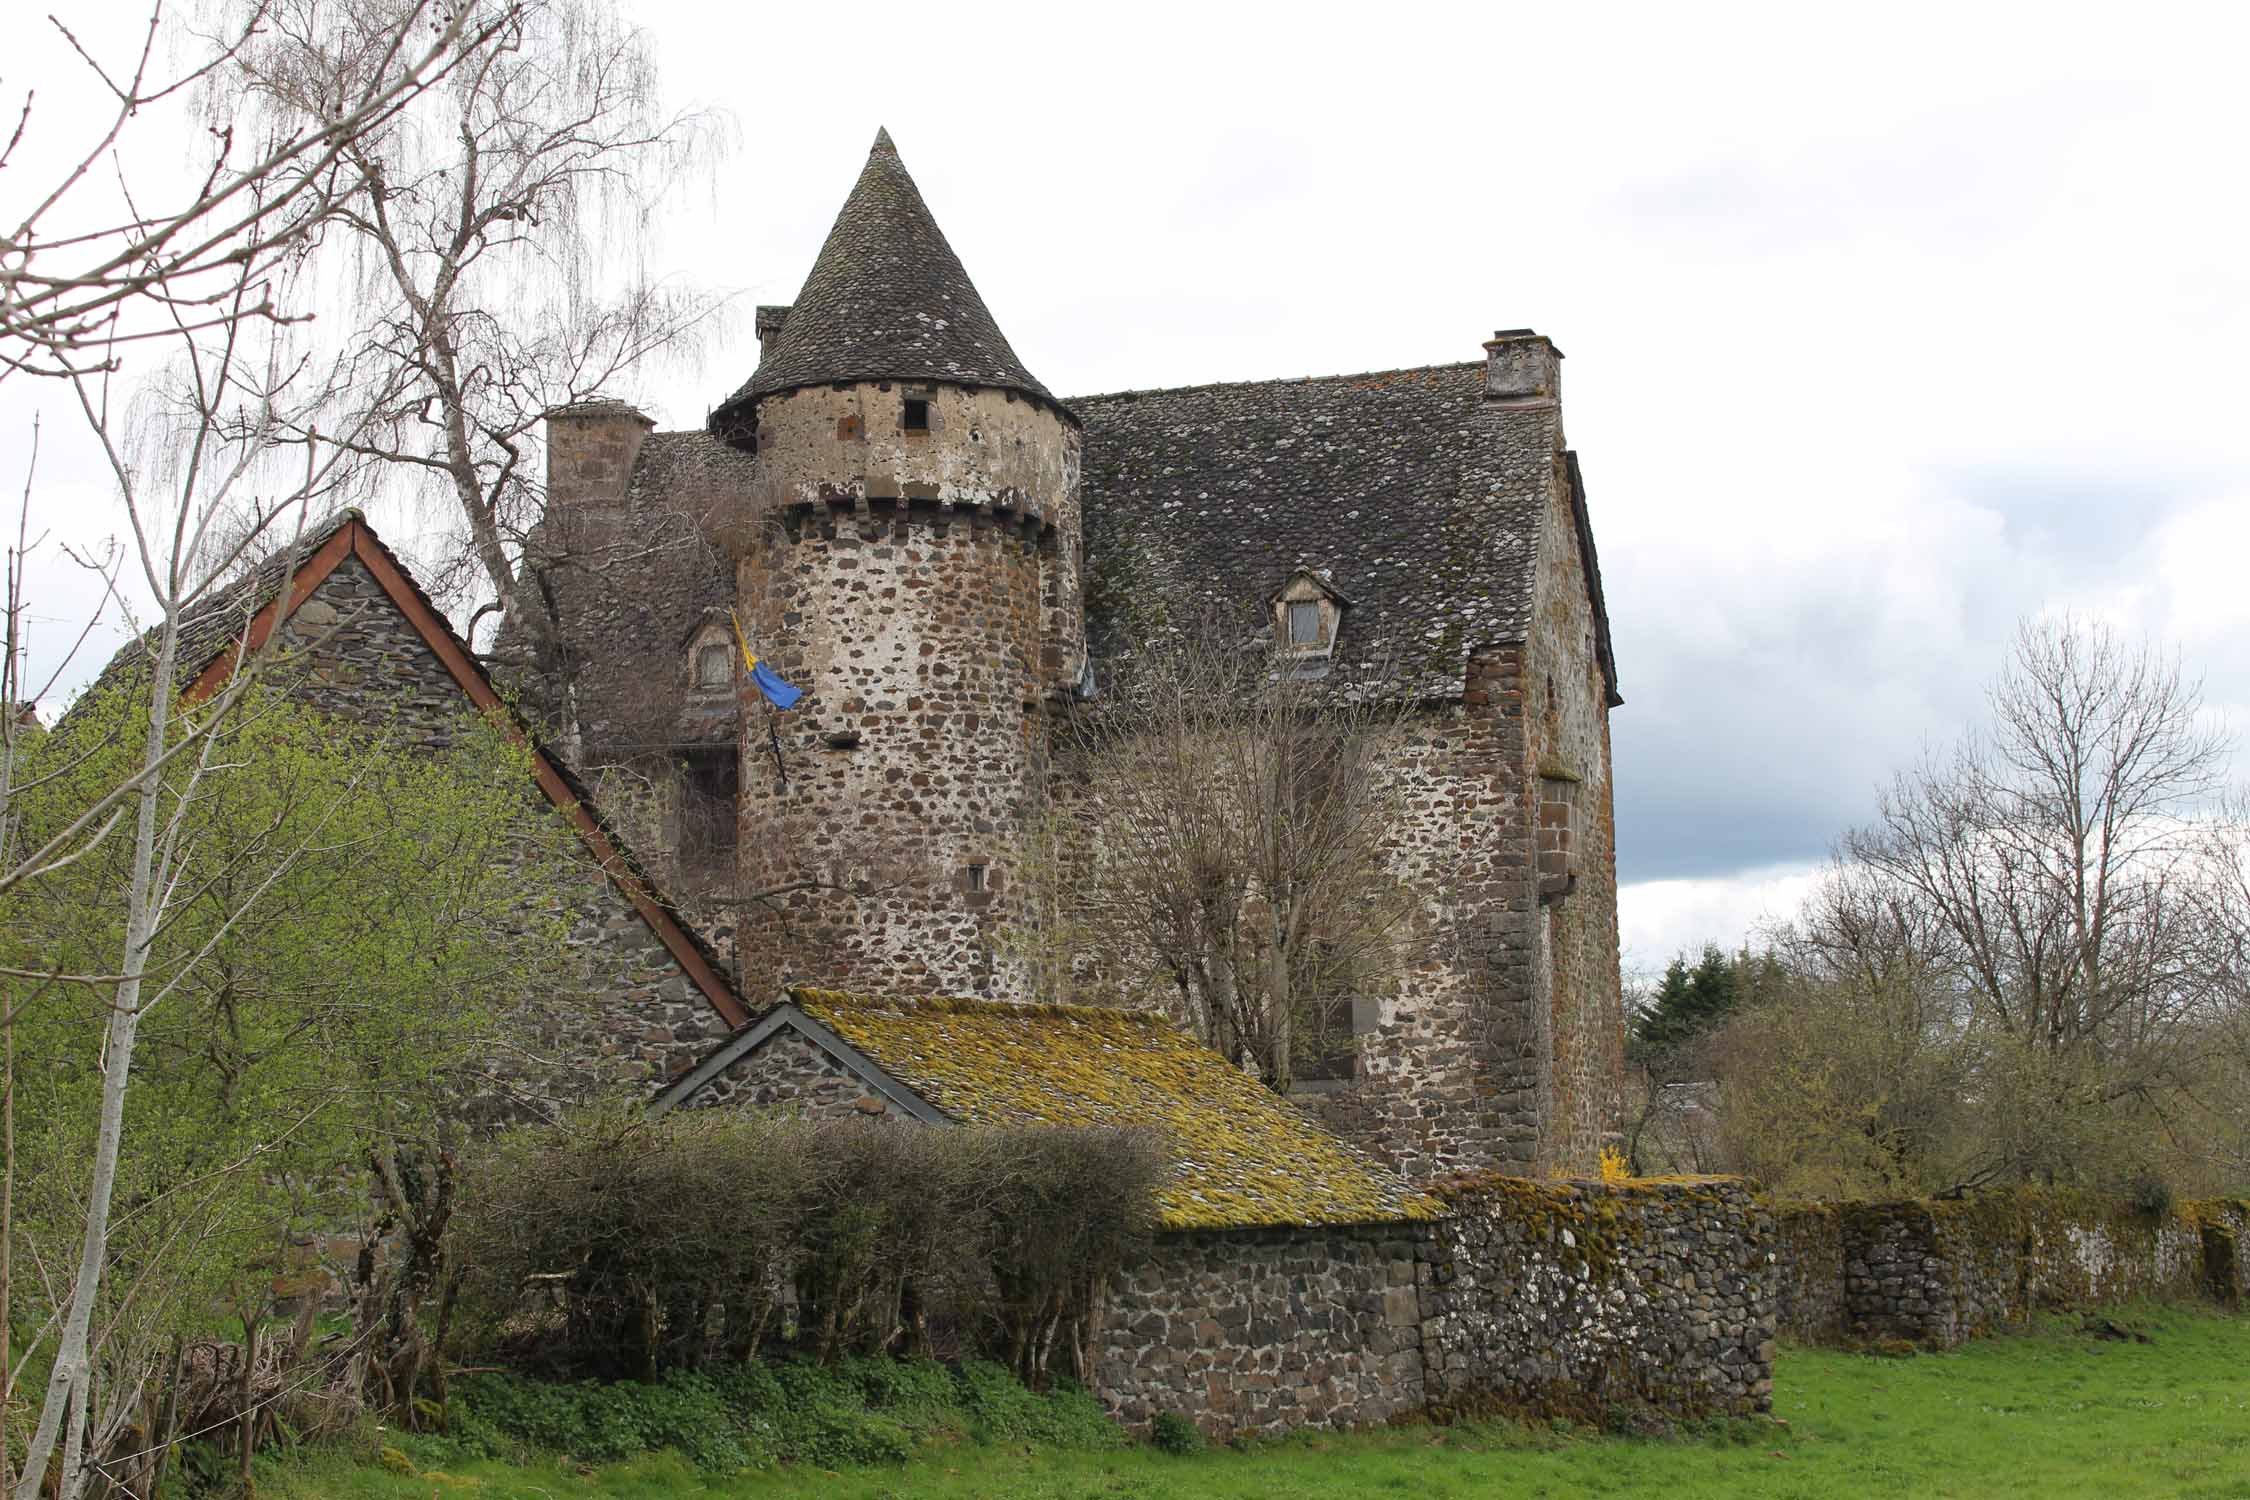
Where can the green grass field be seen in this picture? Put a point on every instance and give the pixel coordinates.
(2052, 1413)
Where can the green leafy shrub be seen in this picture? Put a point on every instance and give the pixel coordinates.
(599, 1423)
(1175, 1434)
(1000, 1409)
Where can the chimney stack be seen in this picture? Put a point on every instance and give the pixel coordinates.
(591, 447)
(770, 319)
(1522, 368)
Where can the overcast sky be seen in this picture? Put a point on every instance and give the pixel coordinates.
(1883, 327)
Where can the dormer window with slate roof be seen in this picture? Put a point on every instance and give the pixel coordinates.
(1308, 613)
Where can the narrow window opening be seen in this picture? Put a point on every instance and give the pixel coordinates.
(1304, 622)
(917, 415)
(710, 783)
(976, 877)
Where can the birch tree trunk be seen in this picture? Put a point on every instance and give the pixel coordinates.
(67, 1393)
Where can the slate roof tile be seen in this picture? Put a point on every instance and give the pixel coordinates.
(1405, 488)
(887, 299)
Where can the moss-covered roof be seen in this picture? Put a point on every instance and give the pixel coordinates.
(1242, 1157)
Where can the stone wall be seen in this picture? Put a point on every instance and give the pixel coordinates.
(631, 1017)
(908, 770)
(1450, 1077)
(1579, 1298)
(921, 586)
(788, 1072)
(1936, 1273)
(1261, 1331)
(1548, 1298)
(1808, 1275)
(1566, 722)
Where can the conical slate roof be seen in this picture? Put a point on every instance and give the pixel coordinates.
(887, 300)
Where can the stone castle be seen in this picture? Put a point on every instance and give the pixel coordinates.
(945, 557)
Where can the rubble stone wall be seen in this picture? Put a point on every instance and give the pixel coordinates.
(1580, 1298)
(1544, 1298)
(1451, 1077)
(1575, 971)
(787, 1072)
(888, 807)
(1937, 1273)
(1261, 1331)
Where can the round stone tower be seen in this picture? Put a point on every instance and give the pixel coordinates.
(909, 558)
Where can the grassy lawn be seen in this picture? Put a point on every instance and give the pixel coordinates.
(2053, 1413)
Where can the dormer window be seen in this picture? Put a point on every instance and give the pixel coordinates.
(1308, 612)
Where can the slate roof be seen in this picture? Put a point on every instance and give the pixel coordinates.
(1242, 1157)
(217, 621)
(887, 299)
(1394, 485)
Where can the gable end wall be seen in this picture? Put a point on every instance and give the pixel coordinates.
(634, 1016)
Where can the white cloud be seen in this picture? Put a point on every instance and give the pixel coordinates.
(1660, 918)
(1879, 336)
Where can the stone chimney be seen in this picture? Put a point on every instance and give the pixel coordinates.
(591, 446)
(770, 319)
(1522, 368)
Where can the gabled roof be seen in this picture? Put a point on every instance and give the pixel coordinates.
(245, 615)
(1242, 1157)
(1396, 486)
(887, 300)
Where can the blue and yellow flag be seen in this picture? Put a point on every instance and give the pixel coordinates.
(780, 694)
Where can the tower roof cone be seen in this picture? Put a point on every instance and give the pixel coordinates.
(887, 300)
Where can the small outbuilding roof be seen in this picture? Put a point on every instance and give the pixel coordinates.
(887, 299)
(1242, 1157)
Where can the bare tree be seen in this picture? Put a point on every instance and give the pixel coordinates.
(211, 283)
(2020, 966)
(76, 295)
(1223, 840)
(494, 239)
(2058, 848)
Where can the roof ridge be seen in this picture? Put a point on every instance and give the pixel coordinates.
(973, 1005)
(1222, 385)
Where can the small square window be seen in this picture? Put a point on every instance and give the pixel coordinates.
(917, 415)
(1304, 622)
(714, 667)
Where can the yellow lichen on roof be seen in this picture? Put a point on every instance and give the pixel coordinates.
(1242, 1157)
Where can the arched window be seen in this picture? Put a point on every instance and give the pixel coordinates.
(714, 666)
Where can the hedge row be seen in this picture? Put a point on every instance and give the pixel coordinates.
(616, 1246)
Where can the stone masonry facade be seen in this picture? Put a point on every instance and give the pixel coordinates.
(1569, 1299)
(1575, 1298)
(946, 558)
(1260, 1331)
(631, 1018)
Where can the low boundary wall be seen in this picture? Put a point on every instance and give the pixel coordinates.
(1588, 1299)
(1935, 1273)
(1546, 1298)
